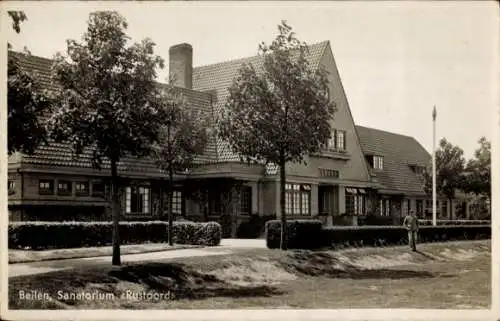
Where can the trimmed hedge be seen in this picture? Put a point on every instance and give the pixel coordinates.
(306, 234)
(53, 235)
(301, 234)
(395, 235)
(455, 222)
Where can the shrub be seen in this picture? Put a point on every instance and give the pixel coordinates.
(50, 235)
(455, 222)
(375, 220)
(309, 234)
(209, 234)
(394, 235)
(255, 226)
(301, 234)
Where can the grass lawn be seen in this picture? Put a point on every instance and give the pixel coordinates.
(447, 275)
(23, 256)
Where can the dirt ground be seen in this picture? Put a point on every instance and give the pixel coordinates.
(452, 275)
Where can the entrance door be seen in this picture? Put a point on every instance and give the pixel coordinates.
(328, 200)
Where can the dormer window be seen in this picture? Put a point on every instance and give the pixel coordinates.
(419, 170)
(378, 162)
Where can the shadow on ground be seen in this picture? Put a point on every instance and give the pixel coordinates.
(187, 283)
(313, 263)
(177, 279)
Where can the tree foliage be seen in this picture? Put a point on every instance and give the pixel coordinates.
(281, 113)
(477, 178)
(17, 18)
(27, 102)
(108, 98)
(450, 165)
(183, 135)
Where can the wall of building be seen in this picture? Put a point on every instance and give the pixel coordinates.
(356, 168)
(27, 203)
(268, 196)
(32, 191)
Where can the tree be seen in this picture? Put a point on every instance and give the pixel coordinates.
(183, 136)
(26, 100)
(450, 165)
(477, 178)
(17, 18)
(108, 100)
(281, 114)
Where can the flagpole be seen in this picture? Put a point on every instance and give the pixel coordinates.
(434, 209)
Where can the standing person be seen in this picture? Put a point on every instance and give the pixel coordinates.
(411, 224)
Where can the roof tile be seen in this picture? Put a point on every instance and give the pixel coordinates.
(220, 76)
(399, 153)
(61, 154)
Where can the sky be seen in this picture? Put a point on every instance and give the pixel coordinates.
(396, 59)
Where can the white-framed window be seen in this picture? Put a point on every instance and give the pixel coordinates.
(82, 188)
(331, 143)
(12, 187)
(355, 201)
(137, 199)
(385, 207)
(64, 188)
(298, 199)
(337, 141)
(246, 200)
(176, 203)
(46, 187)
(378, 162)
(340, 141)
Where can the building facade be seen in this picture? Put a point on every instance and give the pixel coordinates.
(359, 174)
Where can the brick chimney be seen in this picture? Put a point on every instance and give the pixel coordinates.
(181, 65)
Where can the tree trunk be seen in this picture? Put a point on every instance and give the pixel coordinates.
(234, 208)
(170, 197)
(205, 204)
(284, 239)
(115, 213)
(450, 202)
(161, 208)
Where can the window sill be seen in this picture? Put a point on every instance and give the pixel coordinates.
(138, 214)
(42, 192)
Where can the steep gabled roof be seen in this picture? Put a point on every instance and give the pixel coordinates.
(219, 77)
(400, 153)
(61, 155)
